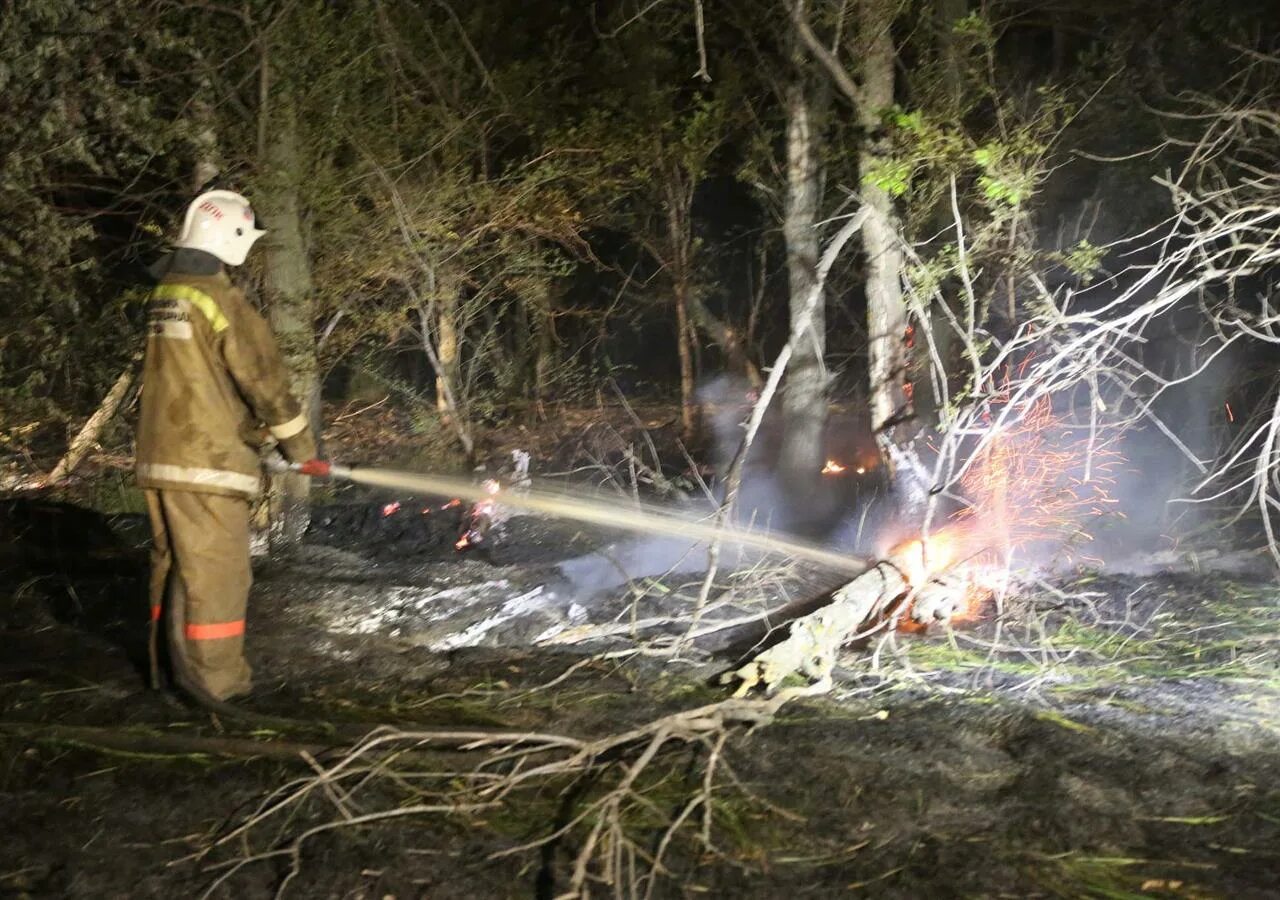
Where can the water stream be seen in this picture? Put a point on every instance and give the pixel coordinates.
(617, 512)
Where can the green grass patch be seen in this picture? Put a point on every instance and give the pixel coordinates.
(1074, 875)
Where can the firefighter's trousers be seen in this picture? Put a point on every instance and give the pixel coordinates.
(200, 578)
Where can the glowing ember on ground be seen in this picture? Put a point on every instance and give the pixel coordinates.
(478, 520)
(832, 468)
(391, 508)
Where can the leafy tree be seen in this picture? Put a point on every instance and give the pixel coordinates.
(88, 169)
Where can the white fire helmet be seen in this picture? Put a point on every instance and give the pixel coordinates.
(221, 223)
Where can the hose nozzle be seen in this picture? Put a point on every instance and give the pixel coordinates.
(316, 468)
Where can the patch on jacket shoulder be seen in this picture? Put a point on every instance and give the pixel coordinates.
(169, 319)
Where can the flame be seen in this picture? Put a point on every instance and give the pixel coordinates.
(832, 468)
(920, 559)
(954, 553)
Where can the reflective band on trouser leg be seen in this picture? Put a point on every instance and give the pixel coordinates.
(215, 631)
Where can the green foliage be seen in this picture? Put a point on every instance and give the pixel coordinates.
(1083, 260)
(83, 165)
(486, 159)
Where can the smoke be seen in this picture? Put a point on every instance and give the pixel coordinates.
(619, 564)
(724, 403)
(851, 510)
(1162, 469)
(1054, 489)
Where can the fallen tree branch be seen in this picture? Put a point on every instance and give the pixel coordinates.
(92, 429)
(814, 641)
(151, 743)
(383, 779)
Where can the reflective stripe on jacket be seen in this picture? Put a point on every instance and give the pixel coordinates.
(213, 375)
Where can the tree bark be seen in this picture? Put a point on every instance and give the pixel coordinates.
(438, 317)
(948, 14)
(290, 306)
(891, 410)
(542, 311)
(684, 346)
(728, 339)
(208, 164)
(804, 403)
(448, 291)
(679, 263)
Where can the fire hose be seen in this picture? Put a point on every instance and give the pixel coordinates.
(630, 516)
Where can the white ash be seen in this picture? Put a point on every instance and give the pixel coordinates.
(515, 608)
(400, 606)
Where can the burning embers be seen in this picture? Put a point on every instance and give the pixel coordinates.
(479, 520)
(1028, 486)
(835, 467)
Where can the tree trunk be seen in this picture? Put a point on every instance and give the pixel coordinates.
(684, 345)
(804, 404)
(203, 119)
(679, 201)
(290, 308)
(448, 290)
(728, 339)
(886, 311)
(949, 13)
(543, 315)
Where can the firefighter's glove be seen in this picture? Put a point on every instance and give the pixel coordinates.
(275, 463)
(316, 468)
(257, 436)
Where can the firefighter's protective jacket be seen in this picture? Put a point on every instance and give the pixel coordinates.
(213, 376)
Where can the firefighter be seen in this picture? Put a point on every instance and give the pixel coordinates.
(213, 378)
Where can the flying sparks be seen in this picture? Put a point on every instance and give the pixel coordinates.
(1027, 487)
